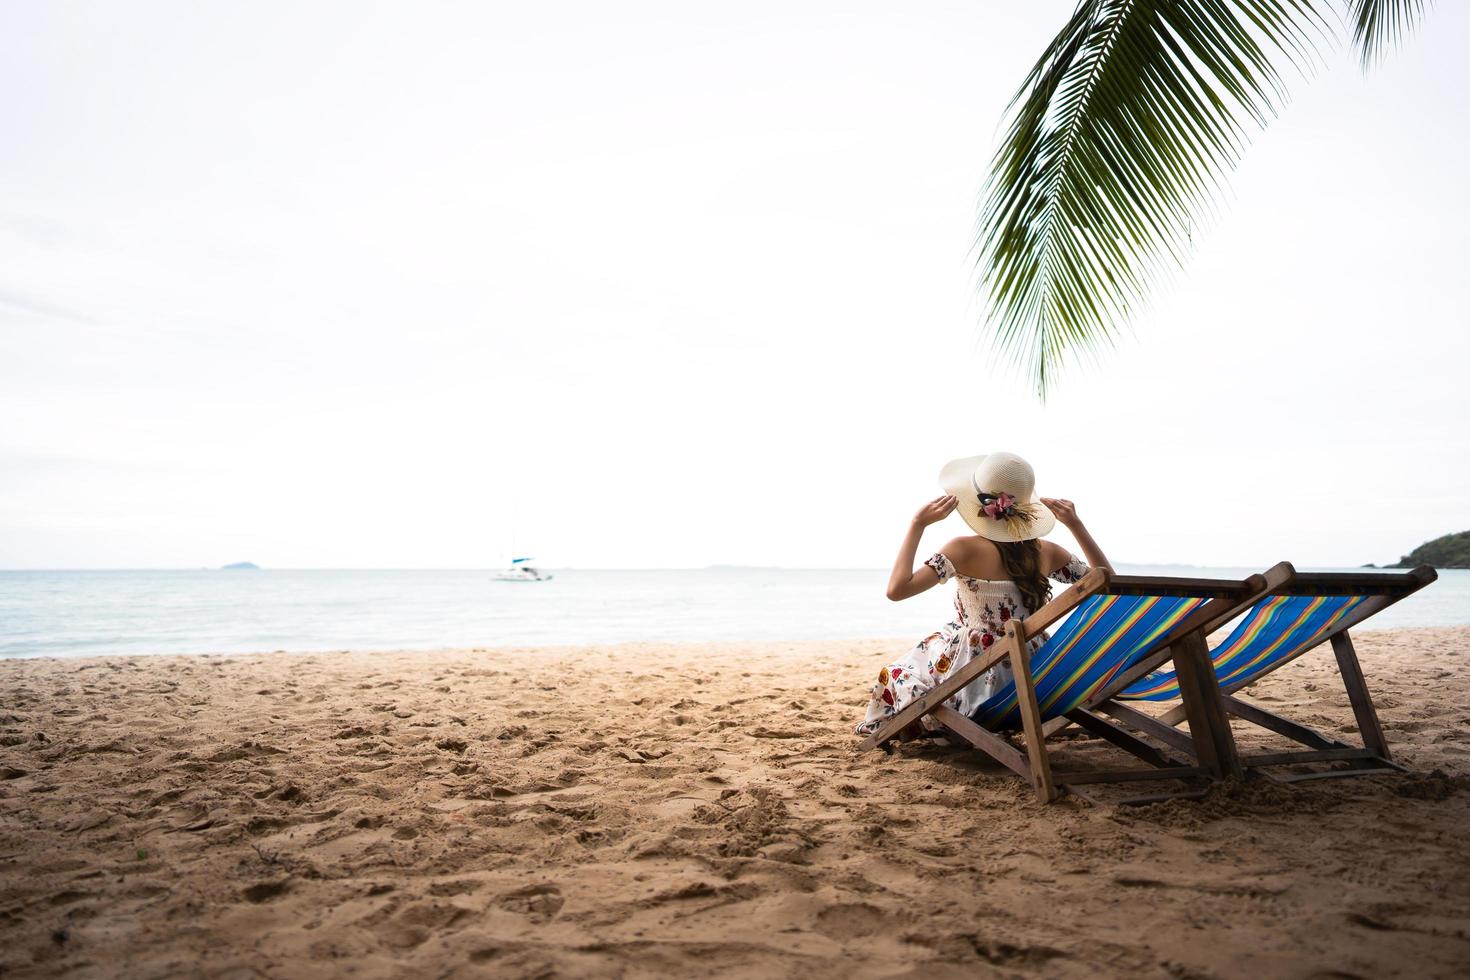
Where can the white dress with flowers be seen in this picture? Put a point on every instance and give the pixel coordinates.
(982, 608)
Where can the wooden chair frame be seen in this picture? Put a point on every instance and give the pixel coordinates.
(1370, 758)
(1211, 752)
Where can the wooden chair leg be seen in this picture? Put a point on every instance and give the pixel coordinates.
(1057, 725)
(1040, 762)
(1357, 691)
(1209, 726)
(1173, 716)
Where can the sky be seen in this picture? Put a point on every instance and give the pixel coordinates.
(385, 285)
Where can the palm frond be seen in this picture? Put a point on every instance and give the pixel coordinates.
(1117, 143)
(1117, 140)
(1379, 24)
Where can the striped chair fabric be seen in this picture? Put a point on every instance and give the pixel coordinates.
(1104, 635)
(1273, 631)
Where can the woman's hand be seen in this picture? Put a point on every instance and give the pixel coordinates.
(905, 580)
(1065, 511)
(936, 510)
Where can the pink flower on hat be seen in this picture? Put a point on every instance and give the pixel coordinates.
(999, 508)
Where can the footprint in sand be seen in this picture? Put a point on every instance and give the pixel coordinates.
(852, 921)
(1002, 953)
(265, 891)
(462, 886)
(415, 924)
(540, 902)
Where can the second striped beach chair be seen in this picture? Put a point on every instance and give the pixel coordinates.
(1121, 628)
(1299, 612)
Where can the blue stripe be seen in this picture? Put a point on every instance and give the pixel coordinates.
(1281, 629)
(1056, 664)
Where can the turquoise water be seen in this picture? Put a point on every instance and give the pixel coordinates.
(74, 613)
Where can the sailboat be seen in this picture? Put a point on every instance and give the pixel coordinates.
(520, 571)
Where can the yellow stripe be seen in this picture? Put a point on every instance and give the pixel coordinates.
(1306, 614)
(1330, 622)
(1121, 630)
(1169, 623)
(1077, 638)
(1094, 615)
(1260, 620)
(1221, 657)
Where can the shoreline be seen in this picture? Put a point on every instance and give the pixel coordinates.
(619, 646)
(895, 643)
(640, 808)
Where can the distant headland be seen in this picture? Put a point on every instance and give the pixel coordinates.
(240, 566)
(1450, 551)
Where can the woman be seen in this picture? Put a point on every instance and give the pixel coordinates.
(1000, 572)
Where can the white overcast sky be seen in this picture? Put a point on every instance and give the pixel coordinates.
(667, 284)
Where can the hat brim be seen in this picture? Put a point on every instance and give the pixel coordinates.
(956, 478)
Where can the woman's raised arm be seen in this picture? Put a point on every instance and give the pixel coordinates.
(1066, 513)
(904, 581)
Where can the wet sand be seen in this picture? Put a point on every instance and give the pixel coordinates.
(698, 809)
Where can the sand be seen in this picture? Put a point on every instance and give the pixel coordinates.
(684, 810)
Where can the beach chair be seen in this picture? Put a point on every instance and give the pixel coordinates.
(1296, 615)
(1121, 628)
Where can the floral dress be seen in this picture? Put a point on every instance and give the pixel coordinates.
(982, 608)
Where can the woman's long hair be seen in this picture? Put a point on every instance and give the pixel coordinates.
(1023, 564)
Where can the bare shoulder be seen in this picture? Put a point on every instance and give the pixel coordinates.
(975, 557)
(969, 546)
(1053, 556)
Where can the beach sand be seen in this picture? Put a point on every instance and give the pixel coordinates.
(685, 810)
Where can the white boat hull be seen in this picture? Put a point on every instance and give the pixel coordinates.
(522, 575)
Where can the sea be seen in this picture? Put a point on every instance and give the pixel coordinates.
(87, 613)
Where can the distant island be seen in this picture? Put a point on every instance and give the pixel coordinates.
(240, 566)
(1450, 551)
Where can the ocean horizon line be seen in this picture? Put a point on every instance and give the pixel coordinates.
(716, 567)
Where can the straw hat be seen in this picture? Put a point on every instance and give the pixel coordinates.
(997, 496)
